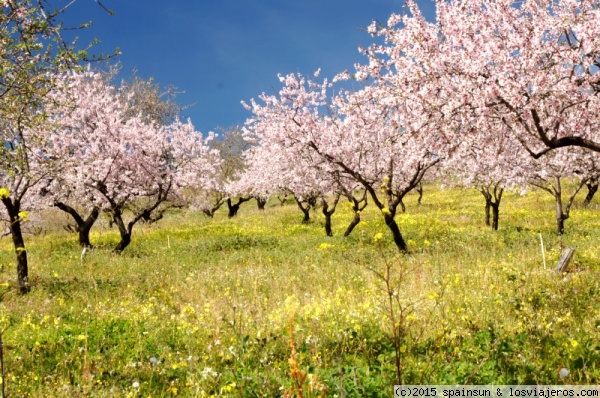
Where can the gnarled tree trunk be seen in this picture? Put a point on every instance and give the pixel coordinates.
(493, 196)
(260, 202)
(116, 210)
(419, 190)
(592, 187)
(83, 226)
(234, 207)
(402, 206)
(216, 206)
(358, 205)
(495, 215)
(305, 208)
(355, 221)
(395, 230)
(124, 231)
(328, 212)
(13, 208)
(283, 199)
(555, 189)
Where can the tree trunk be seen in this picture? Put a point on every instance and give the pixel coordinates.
(495, 215)
(328, 230)
(388, 217)
(282, 200)
(560, 216)
(555, 189)
(211, 212)
(420, 192)
(402, 206)
(487, 212)
(83, 226)
(393, 226)
(492, 197)
(234, 207)
(328, 212)
(358, 205)
(305, 210)
(13, 209)
(123, 243)
(353, 224)
(592, 189)
(150, 216)
(560, 224)
(260, 202)
(124, 231)
(116, 211)
(22, 266)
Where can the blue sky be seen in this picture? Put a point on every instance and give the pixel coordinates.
(221, 52)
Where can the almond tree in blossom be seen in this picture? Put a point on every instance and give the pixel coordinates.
(408, 114)
(558, 166)
(273, 169)
(263, 174)
(372, 143)
(32, 52)
(257, 179)
(207, 195)
(488, 69)
(118, 162)
(231, 148)
(490, 165)
(361, 136)
(81, 101)
(533, 65)
(298, 171)
(278, 165)
(92, 99)
(224, 186)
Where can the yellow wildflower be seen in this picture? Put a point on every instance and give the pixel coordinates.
(325, 246)
(23, 215)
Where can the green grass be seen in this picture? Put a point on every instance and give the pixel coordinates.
(201, 307)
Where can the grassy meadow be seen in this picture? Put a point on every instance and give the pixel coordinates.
(263, 305)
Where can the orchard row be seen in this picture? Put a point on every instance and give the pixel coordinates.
(494, 95)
